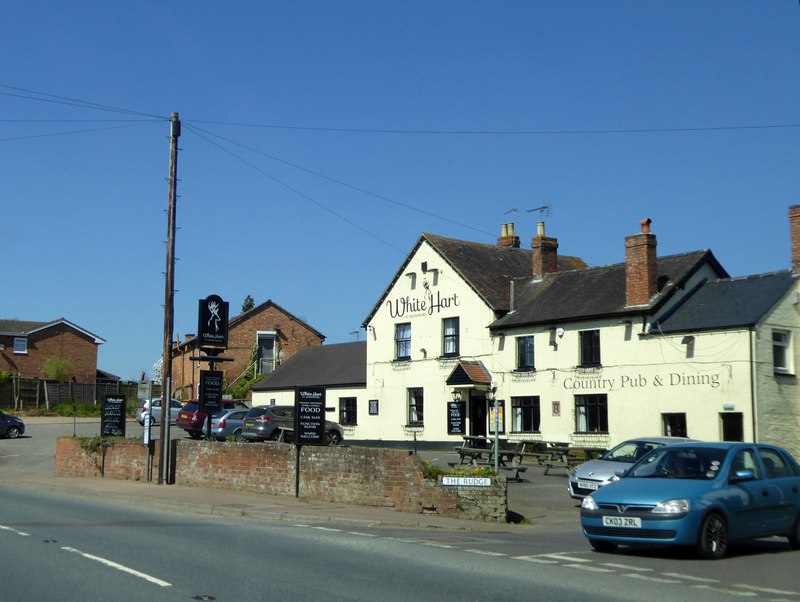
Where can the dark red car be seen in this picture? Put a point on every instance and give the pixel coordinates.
(195, 422)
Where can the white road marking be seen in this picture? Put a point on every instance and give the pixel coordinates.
(767, 590)
(432, 544)
(690, 578)
(625, 567)
(12, 530)
(590, 568)
(562, 558)
(327, 529)
(485, 553)
(119, 567)
(535, 559)
(729, 592)
(653, 579)
(362, 534)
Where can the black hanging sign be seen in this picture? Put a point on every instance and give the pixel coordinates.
(309, 416)
(456, 410)
(112, 422)
(210, 391)
(212, 322)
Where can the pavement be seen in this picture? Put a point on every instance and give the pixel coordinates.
(537, 500)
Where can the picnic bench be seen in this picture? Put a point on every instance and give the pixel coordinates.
(479, 451)
(566, 461)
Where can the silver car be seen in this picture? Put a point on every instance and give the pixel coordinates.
(154, 409)
(228, 423)
(594, 474)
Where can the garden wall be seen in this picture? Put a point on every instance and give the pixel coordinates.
(363, 476)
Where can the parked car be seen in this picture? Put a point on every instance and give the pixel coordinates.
(705, 495)
(228, 423)
(154, 409)
(594, 474)
(11, 427)
(193, 421)
(265, 423)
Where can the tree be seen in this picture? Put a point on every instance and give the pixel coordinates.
(57, 368)
(248, 304)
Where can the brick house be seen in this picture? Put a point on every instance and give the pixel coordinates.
(267, 330)
(26, 346)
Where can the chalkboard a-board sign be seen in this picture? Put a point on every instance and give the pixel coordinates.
(309, 416)
(455, 417)
(112, 422)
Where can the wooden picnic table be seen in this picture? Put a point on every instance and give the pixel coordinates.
(479, 451)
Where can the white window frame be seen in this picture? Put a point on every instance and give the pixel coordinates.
(21, 345)
(782, 350)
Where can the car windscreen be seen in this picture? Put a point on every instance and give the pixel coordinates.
(680, 463)
(630, 451)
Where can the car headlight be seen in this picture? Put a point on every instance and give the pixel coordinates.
(676, 506)
(588, 503)
(575, 472)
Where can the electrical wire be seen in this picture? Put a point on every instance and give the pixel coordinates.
(345, 184)
(294, 190)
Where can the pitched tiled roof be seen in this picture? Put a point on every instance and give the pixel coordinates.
(191, 341)
(23, 327)
(19, 326)
(469, 372)
(728, 303)
(489, 269)
(596, 292)
(339, 365)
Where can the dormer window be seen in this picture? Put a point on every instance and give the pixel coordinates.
(412, 280)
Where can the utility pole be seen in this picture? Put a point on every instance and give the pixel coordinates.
(169, 295)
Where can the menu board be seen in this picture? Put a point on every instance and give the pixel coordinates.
(456, 412)
(112, 421)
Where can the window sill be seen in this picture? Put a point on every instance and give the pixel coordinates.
(784, 373)
(449, 356)
(524, 370)
(400, 360)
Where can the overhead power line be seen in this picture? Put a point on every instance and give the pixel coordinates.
(507, 132)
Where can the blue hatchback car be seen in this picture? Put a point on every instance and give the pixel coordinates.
(704, 495)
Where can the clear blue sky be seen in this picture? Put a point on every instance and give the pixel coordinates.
(321, 138)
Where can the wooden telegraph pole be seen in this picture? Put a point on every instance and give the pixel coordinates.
(169, 295)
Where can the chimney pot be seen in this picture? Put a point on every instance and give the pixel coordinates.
(545, 253)
(645, 224)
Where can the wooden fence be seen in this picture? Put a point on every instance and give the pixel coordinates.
(38, 394)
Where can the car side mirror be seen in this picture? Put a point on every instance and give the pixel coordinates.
(741, 476)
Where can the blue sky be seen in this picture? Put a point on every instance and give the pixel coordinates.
(321, 138)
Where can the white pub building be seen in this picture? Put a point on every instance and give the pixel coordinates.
(591, 356)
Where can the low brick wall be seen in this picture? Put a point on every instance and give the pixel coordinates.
(365, 476)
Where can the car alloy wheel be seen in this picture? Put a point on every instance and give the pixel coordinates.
(333, 438)
(712, 542)
(12, 433)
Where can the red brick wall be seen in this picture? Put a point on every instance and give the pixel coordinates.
(61, 341)
(292, 337)
(352, 475)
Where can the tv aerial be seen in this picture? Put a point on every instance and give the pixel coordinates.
(544, 210)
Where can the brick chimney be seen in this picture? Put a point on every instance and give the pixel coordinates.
(507, 237)
(794, 231)
(545, 253)
(641, 272)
